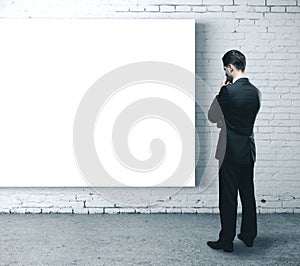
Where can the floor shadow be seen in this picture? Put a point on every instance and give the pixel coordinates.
(262, 245)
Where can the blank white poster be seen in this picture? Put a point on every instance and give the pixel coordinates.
(47, 67)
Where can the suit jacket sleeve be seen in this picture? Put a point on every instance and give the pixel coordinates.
(219, 106)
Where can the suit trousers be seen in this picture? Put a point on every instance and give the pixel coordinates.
(234, 178)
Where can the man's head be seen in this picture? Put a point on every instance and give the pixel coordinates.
(234, 63)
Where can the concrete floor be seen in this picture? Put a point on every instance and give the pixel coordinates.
(141, 239)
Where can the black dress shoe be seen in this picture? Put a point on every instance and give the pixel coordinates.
(246, 242)
(219, 245)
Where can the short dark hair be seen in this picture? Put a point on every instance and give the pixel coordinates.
(235, 58)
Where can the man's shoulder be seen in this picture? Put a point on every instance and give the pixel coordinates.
(255, 88)
(241, 82)
(231, 87)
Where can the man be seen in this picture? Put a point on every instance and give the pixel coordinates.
(234, 110)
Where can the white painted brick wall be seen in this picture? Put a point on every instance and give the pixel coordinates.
(267, 31)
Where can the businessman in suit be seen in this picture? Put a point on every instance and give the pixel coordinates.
(234, 110)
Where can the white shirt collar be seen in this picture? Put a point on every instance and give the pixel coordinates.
(235, 79)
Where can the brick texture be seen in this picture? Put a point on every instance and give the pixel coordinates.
(268, 32)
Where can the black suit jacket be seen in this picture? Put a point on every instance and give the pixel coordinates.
(234, 110)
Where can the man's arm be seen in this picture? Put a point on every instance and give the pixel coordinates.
(218, 107)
